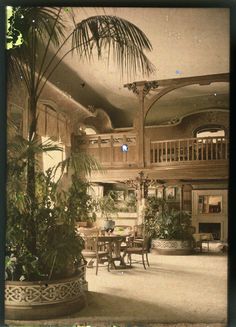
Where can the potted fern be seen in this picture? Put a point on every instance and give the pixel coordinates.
(170, 229)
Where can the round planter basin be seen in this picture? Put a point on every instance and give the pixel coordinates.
(171, 247)
(45, 299)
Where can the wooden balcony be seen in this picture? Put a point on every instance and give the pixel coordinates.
(106, 148)
(187, 150)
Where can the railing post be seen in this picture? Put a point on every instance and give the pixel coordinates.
(178, 150)
(148, 151)
(207, 149)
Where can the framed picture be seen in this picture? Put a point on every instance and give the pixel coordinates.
(159, 192)
(151, 192)
(170, 193)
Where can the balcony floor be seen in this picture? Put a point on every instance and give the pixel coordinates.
(174, 289)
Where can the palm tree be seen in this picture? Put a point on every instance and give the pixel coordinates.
(42, 29)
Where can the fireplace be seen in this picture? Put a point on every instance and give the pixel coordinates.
(213, 228)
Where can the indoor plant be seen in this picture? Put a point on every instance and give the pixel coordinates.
(40, 227)
(108, 209)
(57, 262)
(170, 229)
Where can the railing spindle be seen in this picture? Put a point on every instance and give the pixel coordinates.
(179, 150)
(187, 150)
(166, 146)
(197, 154)
(212, 152)
(216, 148)
(161, 152)
(221, 149)
(207, 149)
(202, 152)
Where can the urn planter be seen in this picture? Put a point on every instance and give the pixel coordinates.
(172, 247)
(45, 299)
(108, 224)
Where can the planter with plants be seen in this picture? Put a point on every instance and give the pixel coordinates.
(45, 272)
(108, 210)
(44, 267)
(169, 229)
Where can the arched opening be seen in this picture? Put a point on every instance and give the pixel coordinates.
(90, 131)
(210, 131)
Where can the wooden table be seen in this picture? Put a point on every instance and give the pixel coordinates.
(114, 248)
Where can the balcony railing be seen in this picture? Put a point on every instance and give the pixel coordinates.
(106, 148)
(193, 149)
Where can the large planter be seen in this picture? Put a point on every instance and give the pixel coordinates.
(45, 299)
(172, 247)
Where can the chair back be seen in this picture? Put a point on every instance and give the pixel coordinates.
(139, 230)
(145, 243)
(90, 243)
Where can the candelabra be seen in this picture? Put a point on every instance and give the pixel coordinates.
(141, 184)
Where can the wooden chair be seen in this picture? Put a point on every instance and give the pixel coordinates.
(138, 247)
(95, 249)
(201, 238)
(139, 231)
(124, 230)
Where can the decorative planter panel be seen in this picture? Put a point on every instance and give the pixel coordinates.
(171, 247)
(45, 299)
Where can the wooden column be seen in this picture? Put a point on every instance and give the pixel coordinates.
(181, 202)
(140, 128)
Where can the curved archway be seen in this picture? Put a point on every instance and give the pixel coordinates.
(167, 86)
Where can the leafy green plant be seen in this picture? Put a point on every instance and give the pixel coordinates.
(32, 33)
(82, 206)
(107, 206)
(166, 223)
(58, 247)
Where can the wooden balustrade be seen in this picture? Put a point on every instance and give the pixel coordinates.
(107, 149)
(193, 149)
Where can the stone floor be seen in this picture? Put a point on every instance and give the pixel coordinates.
(179, 291)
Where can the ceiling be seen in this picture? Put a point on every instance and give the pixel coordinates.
(186, 42)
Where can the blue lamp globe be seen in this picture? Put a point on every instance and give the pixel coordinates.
(124, 148)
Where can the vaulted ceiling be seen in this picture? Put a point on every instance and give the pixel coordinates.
(186, 42)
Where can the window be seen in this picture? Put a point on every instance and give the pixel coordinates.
(210, 131)
(208, 204)
(53, 158)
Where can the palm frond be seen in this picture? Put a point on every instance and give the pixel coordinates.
(40, 19)
(39, 27)
(19, 148)
(81, 163)
(107, 33)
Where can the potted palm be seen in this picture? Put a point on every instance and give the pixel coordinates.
(170, 229)
(57, 263)
(45, 271)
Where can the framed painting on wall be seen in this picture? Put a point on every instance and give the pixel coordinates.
(170, 193)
